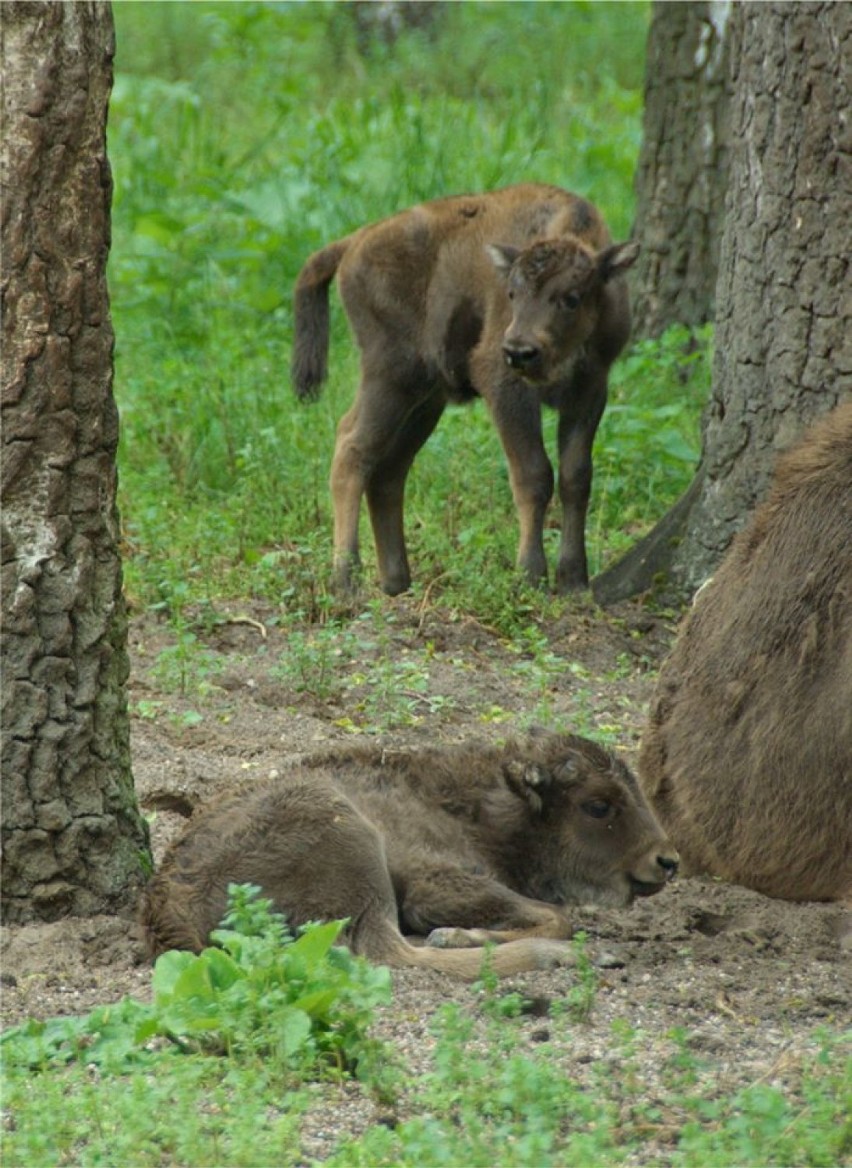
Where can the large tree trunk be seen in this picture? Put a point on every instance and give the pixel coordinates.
(73, 840)
(682, 174)
(784, 297)
(784, 317)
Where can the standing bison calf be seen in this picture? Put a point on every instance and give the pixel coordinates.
(465, 844)
(513, 296)
(747, 757)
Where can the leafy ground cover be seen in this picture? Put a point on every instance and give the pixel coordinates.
(223, 1066)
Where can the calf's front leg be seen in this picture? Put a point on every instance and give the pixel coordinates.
(517, 415)
(459, 909)
(576, 434)
(575, 485)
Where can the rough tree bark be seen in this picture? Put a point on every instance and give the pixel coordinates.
(682, 173)
(73, 839)
(783, 353)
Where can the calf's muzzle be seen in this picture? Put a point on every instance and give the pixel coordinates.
(519, 355)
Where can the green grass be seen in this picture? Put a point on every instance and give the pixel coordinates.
(244, 136)
(212, 1071)
(500, 1105)
(218, 1068)
(223, 1063)
(489, 1097)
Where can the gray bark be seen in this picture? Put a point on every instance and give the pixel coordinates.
(682, 173)
(783, 351)
(73, 840)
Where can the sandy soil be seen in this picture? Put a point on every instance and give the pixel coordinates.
(750, 978)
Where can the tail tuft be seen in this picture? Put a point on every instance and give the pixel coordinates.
(309, 365)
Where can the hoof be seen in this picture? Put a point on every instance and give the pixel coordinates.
(552, 954)
(449, 938)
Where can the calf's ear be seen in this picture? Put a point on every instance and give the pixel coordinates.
(530, 781)
(614, 260)
(502, 256)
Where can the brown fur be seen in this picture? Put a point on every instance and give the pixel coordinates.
(464, 844)
(513, 296)
(747, 757)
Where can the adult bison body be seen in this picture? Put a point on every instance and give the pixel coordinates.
(464, 844)
(747, 757)
(513, 296)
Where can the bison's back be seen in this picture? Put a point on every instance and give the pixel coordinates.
(426, 803)
(423, 276)
(747, 757)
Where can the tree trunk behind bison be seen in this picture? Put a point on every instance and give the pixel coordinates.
(72, 836)
(784, 295)
(682, 174)
(383, 21)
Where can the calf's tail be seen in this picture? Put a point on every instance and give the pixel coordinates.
(310, 309)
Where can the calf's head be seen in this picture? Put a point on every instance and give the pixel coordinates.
(577, 827)
(555, 288)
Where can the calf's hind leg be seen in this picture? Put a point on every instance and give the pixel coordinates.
(386, 492)
(305, 845)
(377, 441)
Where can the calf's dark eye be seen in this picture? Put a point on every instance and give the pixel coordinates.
(571, 300)
(597, 808)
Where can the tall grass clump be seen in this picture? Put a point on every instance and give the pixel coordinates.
(242, 137)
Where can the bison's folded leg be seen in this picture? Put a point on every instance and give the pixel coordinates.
(449, 897)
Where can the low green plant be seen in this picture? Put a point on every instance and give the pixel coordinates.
(360, 664)
(299, 1003)
(261, 992)
(185, 667)
(392, 691)
(184, 1112)
(316, 660)
(581, 997)
(493, 1100)
(143, 1084)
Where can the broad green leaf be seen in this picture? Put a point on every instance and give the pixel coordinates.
(223, 970)
(293, 1031)
(315, 942)
(167, 969)
(194, 982)
(318, 1003)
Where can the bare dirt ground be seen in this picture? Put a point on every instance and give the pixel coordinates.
(749, 978)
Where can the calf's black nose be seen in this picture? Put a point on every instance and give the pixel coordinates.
(519, 356)
(668, 864)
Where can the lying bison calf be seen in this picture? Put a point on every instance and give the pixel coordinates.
(513, 296)
(747, 757)
(465, 844)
